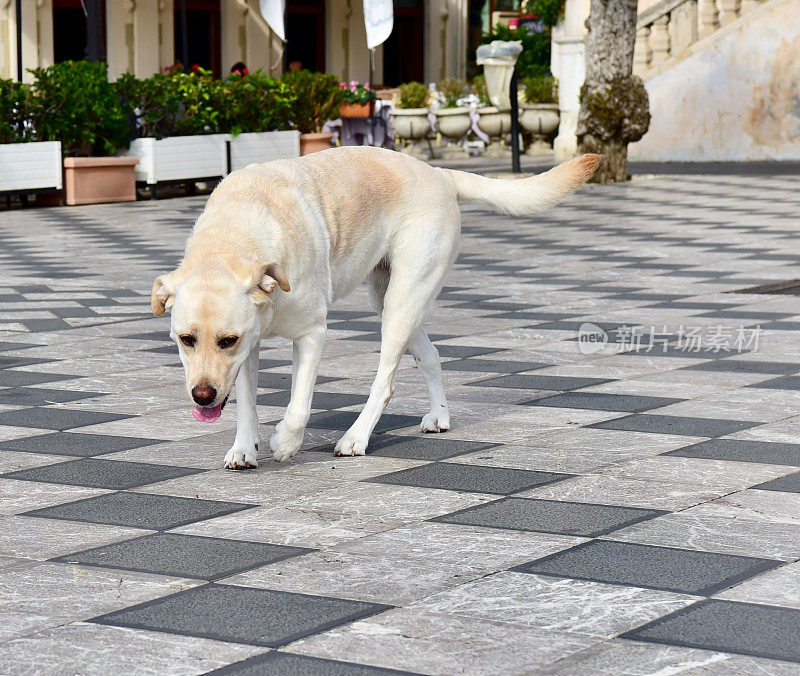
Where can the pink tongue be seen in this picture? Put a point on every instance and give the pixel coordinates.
(204, 414)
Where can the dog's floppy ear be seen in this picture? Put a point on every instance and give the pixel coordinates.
(270, 276)
(163, 294)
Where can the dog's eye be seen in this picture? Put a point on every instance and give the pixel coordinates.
(227, 341)
(188, 340)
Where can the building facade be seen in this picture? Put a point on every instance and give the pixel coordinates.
(429, 41)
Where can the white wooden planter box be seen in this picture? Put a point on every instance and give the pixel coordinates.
(256, 148)
(30, 166)
(178, 158)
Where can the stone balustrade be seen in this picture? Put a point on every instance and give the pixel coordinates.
(670, 27)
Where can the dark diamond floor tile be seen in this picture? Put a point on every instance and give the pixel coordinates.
(278, 663)
(9, 362)
(746, 314)
(781, 326)
(273, 363)
(789, 483)
(742, 450)
(56, 418)
(348, 314)
(11, 378)
(429, 447)
(75, 444)
(674, 424)
(463, 351)
(7, 346)
(680, 352)
(679, 570)
(325, 400)
(534, 382)
(550, 516)
(114, 475)
(151, 335)
(140, 510)
(600, 401)
(535, 316)
(745, 628)
(40, 396)
(471, 478)
(241, 614)
(786, 383)
(491, 365)
(342, 420)
(200, 558)
(742, 366)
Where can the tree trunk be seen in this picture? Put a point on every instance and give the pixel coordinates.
(609, 55)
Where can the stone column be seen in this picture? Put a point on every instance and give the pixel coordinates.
(661, 41)
(571, 72)
(729, 11)
(708, 17)
(641, 51)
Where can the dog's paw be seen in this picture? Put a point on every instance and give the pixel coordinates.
(285, 442)
(350, 445)
(436, 421)
(238, 458)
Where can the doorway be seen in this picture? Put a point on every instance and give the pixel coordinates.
(70, 38)
(202, 33)
(404, 51)
(305, 34)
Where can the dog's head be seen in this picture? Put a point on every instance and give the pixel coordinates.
(218, 316)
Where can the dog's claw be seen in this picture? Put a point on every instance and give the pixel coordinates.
(435, 423)
(236, 459)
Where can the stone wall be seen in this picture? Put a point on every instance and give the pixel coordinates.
(734, 95)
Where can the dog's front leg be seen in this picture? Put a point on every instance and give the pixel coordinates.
(245, 446)
(289, 433)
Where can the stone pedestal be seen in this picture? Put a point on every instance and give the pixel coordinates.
(569, 66)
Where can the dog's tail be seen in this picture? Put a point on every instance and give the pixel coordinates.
(519, 197)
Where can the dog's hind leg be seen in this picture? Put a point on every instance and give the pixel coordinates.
(427, 358)
(414, 280)
(245, 447)
(289, 432)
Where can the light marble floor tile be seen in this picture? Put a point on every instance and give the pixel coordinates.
(590, 608)
(379, 579)
(608, 490)
(714, 534)
(32, 537)
(715, 475)
(650, 659)
(75, 593)
(21, 496)
(12, 461)
(405, 503)
(780, 587)
(426, 643)
(753, 505)
(93, 649)
(292, 526)
(485, 549)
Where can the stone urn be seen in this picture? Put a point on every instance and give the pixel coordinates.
(410, 125)
(495, 124)
(453, 123)
(539, 119)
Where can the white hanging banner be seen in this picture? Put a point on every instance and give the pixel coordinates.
(273, 11)
(379, 20)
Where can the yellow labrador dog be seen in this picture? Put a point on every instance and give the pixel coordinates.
(278, 243)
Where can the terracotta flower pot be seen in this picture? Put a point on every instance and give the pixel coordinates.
(357, 109)
(94, 180)
(312, 143)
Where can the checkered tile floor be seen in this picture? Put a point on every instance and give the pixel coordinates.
(620, 492)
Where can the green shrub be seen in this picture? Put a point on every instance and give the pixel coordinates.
(535, 56)
(255, 102)
(549, 11)
(413, 95)
(480, 90)
(451, 90)
(318, 99)
(73, 102)
(14, 104)
(541, 89)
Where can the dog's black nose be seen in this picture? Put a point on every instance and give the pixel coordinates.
(203, 394)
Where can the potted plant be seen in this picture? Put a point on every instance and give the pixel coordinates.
(24, 163)
(74, 103)
(256, 113)
(452, 119)
(540, 111)
(493, 122)
(175, 118)
(359, 99)
(410, 115)
(318, 99)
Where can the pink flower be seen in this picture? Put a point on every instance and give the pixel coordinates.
(245, 70)
(366, 85)
(342, 85)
